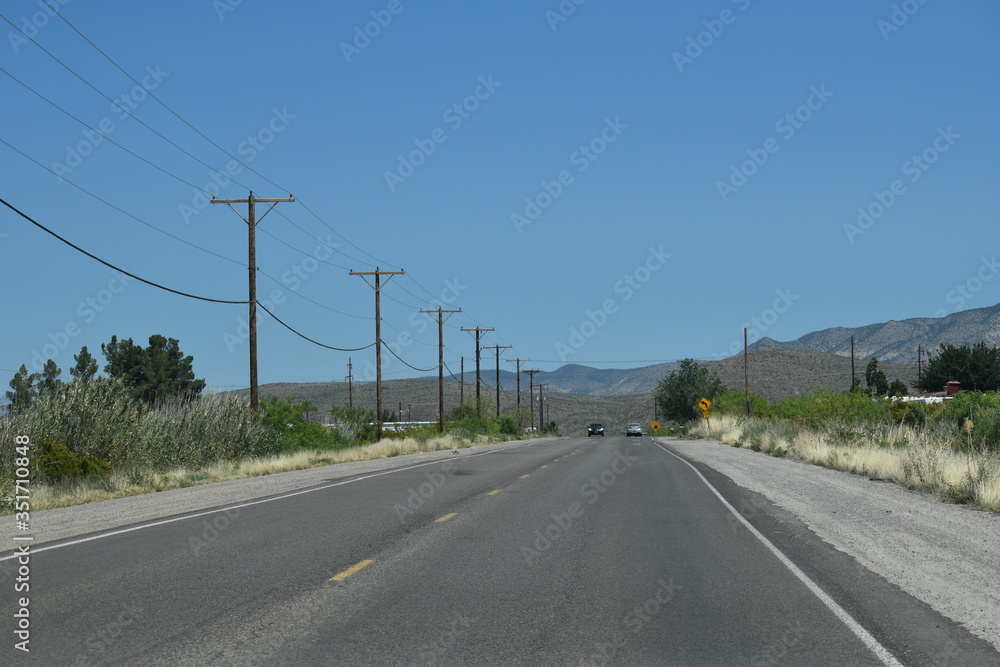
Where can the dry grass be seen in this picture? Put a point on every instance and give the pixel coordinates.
(120, 485)
(908, 456)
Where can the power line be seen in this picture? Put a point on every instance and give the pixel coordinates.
(324, 243)
(344, 238)
(104, 136)
(300, 251)
(419, 370)
(314, 342)
(303, 296)
(187, 153)
(179, 117)
(99, 92)
(321, 242)
(112, 266)
(164, 104)
(120, 210)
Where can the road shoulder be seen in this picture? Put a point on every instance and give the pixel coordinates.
(947, 556)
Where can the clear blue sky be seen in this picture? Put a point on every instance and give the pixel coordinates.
(651, 176)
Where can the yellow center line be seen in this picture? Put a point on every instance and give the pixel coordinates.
(351, 570)
(445, 517)
(523, 476)
(545, 466)
(493, 493)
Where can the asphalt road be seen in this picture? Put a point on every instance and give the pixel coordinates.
(576, 551)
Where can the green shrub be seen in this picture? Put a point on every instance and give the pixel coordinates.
(508, 425)
(106, 428)
(55, 462)
(91, 467)
(822, 407)
(985, 433)
(734, 402)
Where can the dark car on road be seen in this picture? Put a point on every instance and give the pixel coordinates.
(595, 429)
(633, 429)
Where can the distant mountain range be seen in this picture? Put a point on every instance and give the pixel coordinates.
(580, 394)
(897, 341)
(577, 379)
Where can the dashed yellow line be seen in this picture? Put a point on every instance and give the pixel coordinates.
(445, 517)
(351, 570)
(545, 466)
(493, 493)
(523, 476)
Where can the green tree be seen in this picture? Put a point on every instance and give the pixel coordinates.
(23, 392)
(48, 383)
(875, 379)
(156, 372)
(86, 366)
(166, 372)
(976, 367)
(124, 360)
(898, 388)
(677, 395)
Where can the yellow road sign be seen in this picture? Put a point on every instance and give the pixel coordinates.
(707, 413)
(655, 426)
(704, 404)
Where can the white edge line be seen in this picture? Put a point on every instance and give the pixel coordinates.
(866, 638)
(101, 536)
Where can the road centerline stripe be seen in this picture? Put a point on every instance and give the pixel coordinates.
(494, 492)
(352, 570)
(446, 517)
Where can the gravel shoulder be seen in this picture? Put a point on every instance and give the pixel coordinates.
(69, 522)
(947, 556)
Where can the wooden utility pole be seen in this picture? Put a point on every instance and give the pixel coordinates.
(746, 370)
(541, 405)
(252, 222)
(518, 362)
(378, 333)
(479, 335)
(440, 314)
(852, 363)
(531, 392)
(920, 362)
(350, 383)
(520, 421)
(461, 384)
(498, 348)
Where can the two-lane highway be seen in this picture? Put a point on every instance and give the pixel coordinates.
(573, 551)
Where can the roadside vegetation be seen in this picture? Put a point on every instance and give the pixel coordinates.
(146, 427)
(951, 449)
